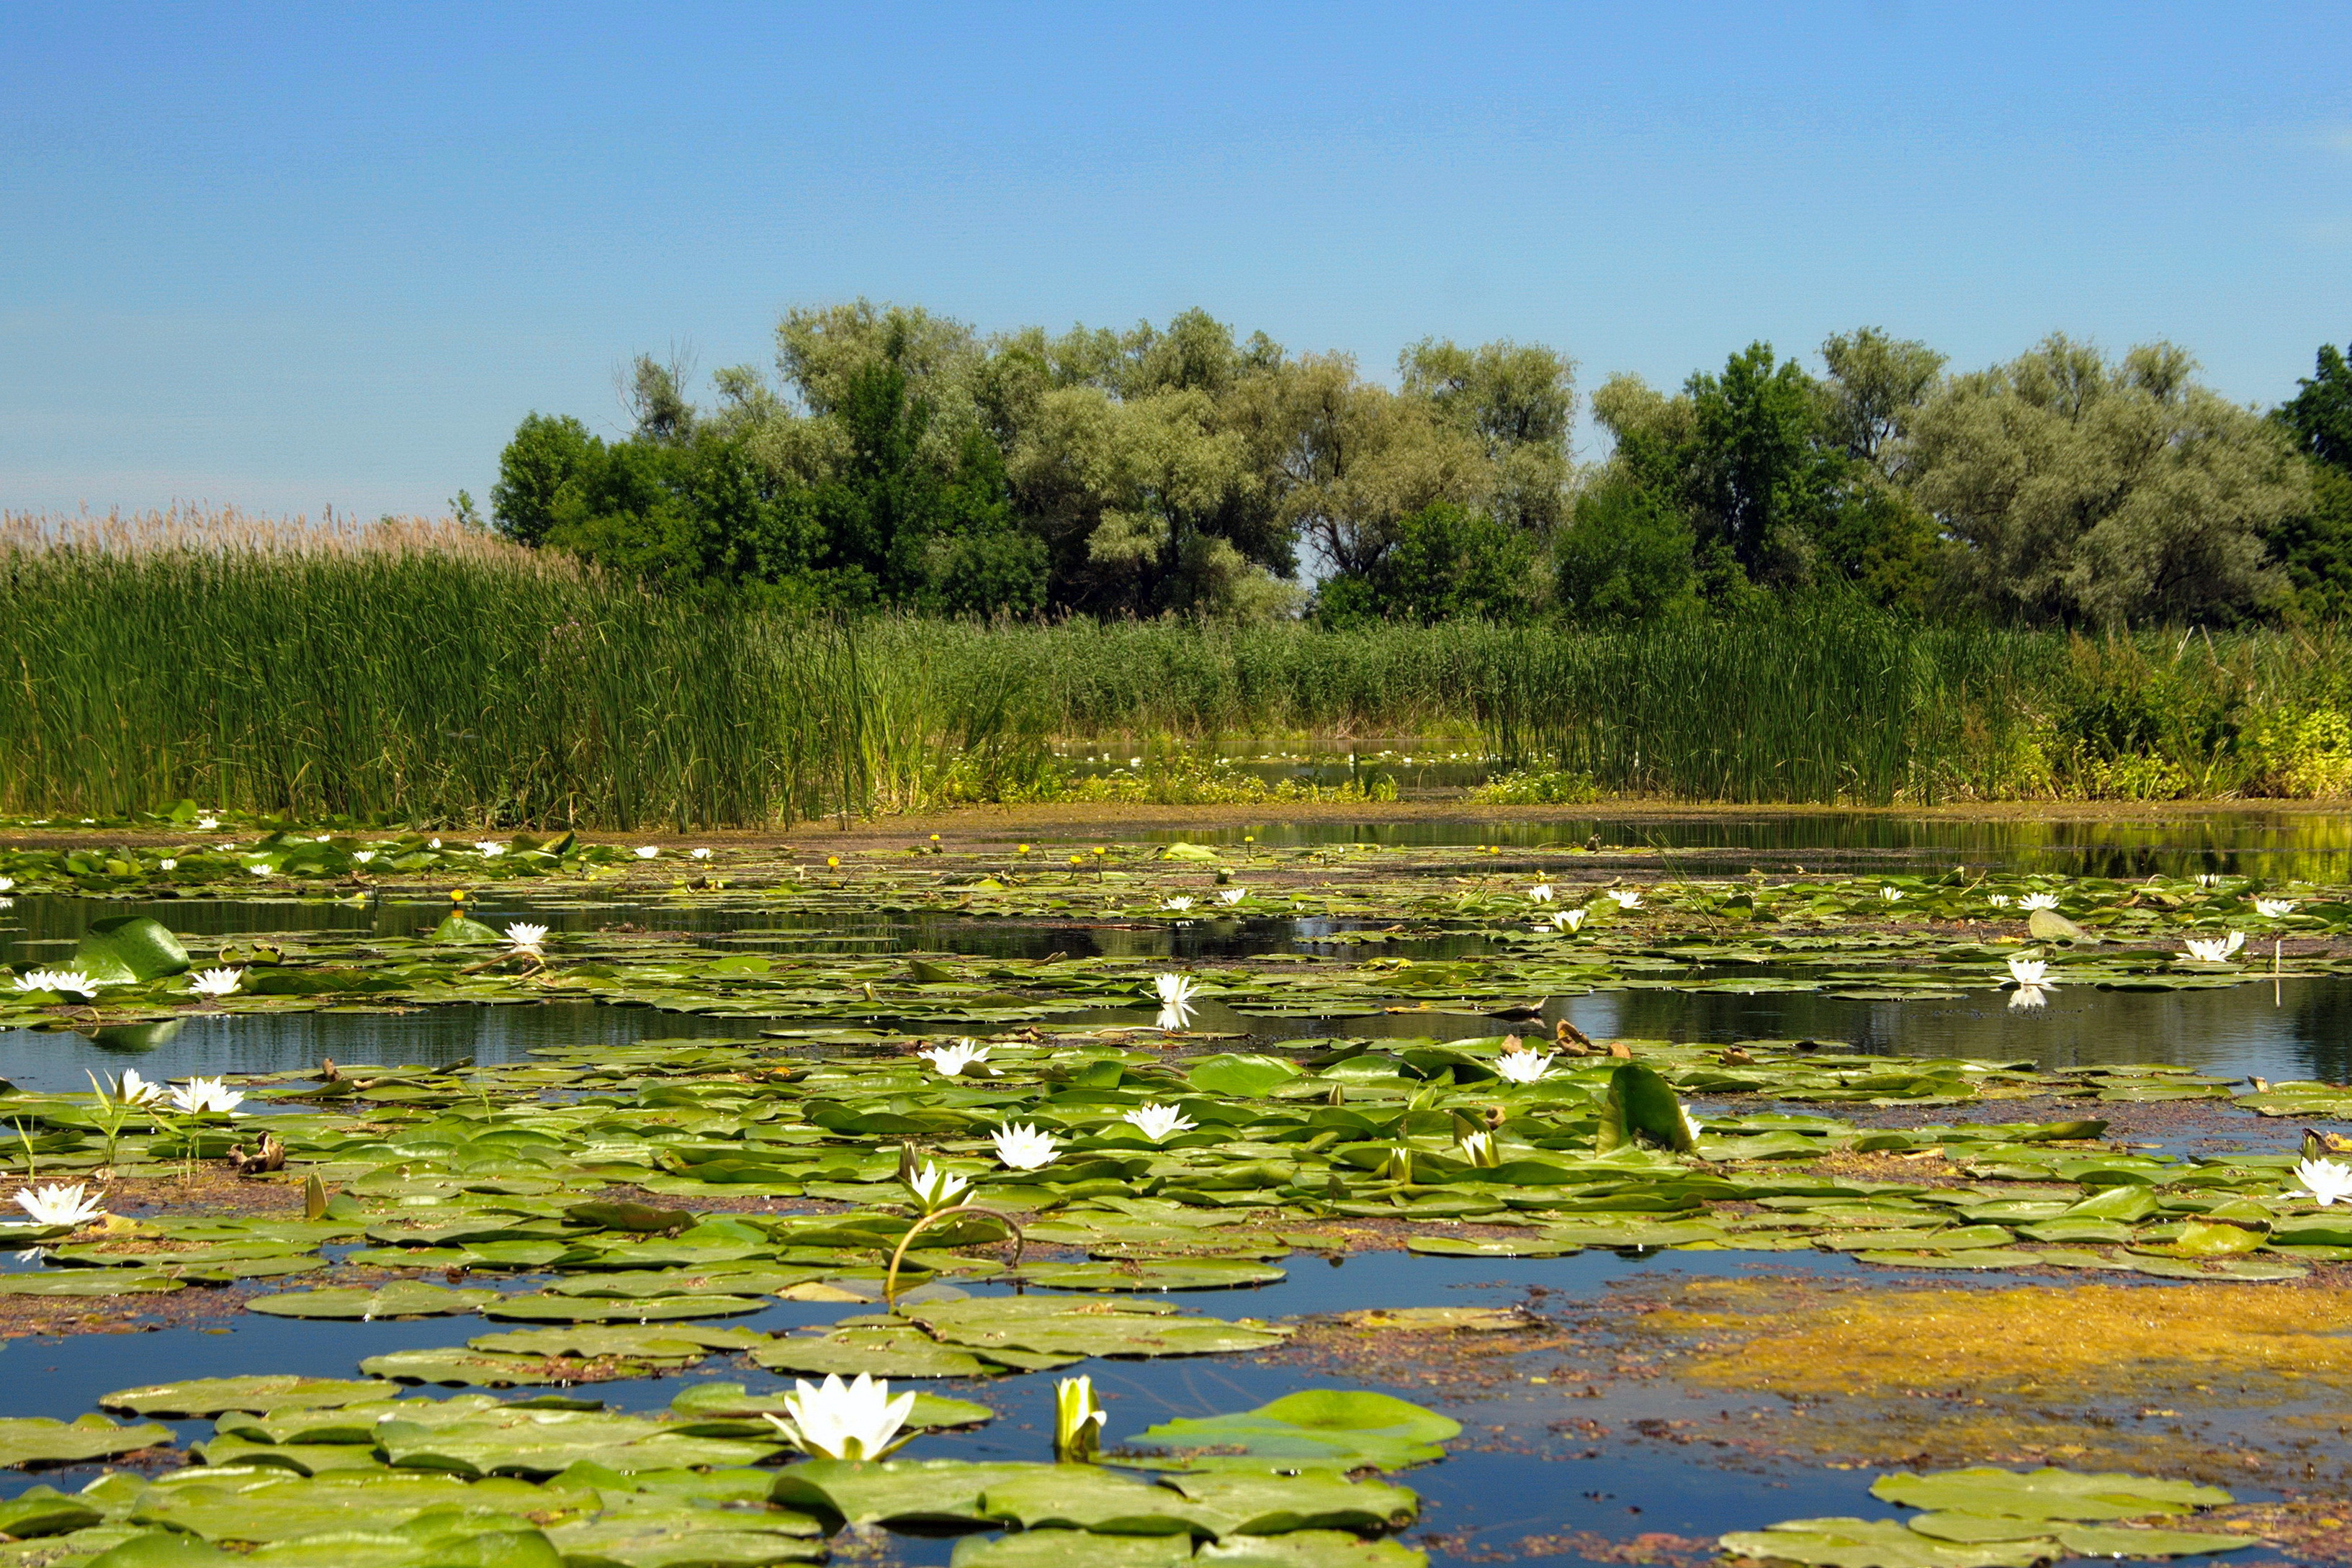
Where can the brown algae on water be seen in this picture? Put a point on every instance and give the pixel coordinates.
(2156, 1378)
(2223, 1342)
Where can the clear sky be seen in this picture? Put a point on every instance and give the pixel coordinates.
(290, 256)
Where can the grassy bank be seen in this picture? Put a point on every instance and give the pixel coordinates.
(422, 673)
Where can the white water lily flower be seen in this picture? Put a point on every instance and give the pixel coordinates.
(1078, 1421)
(433, 845)
(60, 1205)
(207, 825)
(2208, 879)
(1176, 1005)
(1524, 1066)
(2328, 1181)
(1891, 894)
(1176, 906)
(206, 1097)
(699, 854)
(257, 871)
(165, 864)
(2031, 972)
(2274, 908)
(1997, 900)
(2027, 996)
(133, 1090)
(60, 980)
(949, 1060)
(648, 852)
(1158, 1123)
(2215, 949)
(1476, 1147)
(1232, 894)
(2038, 901)
(1540, 892)
(6, 882)
(936, 1189)
(490, 847)
(216, 982)
(363, 856)
(526, 937)
(1627, 898)
(1023, 1148)
(844, 1421)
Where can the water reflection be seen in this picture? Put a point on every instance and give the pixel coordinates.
(2278, 844)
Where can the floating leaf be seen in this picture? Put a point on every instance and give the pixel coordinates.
(129, 949)
(38, 1440)
(2049, 1494)
(1326, 1428)
(402, 1298)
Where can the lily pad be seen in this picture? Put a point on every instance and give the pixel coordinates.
(1241, 1077)
(885, 1352)
(38, 1440)
(1879, 1544)
(401, 1299)
(1116, 1325)
(2048, 1493)
(215, 1395)
(1324, 1428)
(128, 950)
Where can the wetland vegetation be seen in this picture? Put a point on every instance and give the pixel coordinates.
(1367, 1252)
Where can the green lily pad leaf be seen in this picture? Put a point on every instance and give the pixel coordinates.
(1082, 1497)
(1251, 1504)
(2091, 1541)
(934, 1492)
(883, 1352)
(635, 1218)
(44, 1510)
(1323, 1428)
(2203, 1238)
(401, 1299)
(1511, 1247)
(130, 949)
(320, 1505)
(461, 1367)
(553, 1309)
(683, 1537)
(216, 1396)
(2048, 1493)
(517, 1440)
(1072, 1548)
(1241, 1077)
(86, 1283)
(1308, 1549)
(1207, 1274)
(38, 1440)
(299, 1459)
(458, 931)
(676, 1344)
(2049, 925)
(1117, 1325)
(1641, 1104)
(160, 1549)
(1879, 1544)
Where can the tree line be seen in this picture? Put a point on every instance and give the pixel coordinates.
(899, 458)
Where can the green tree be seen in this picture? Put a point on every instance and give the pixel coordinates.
(2086, 490)
(1446, 563)
(550, 456)
(1627, 555)
(2314, 546)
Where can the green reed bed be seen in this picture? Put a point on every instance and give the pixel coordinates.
(425, 673)
(428, 685)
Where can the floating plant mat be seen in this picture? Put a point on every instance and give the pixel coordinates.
(338, 1474)
(492, 1172)
(1890, 938)
(1987, 1518)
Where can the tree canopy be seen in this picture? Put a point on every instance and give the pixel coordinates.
(896, 458)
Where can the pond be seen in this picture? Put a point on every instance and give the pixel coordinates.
(1625, 1309)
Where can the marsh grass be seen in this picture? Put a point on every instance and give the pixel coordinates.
(419, 671)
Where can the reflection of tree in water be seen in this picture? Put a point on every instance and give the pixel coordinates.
(2305, 1032)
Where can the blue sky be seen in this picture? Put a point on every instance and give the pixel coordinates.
(291, 256)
